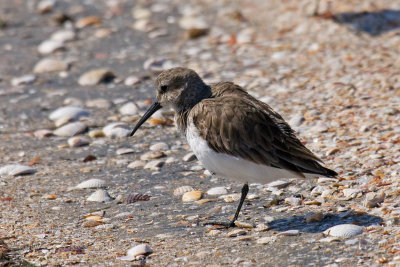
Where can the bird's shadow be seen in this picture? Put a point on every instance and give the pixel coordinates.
(373, 23)
(329, 220)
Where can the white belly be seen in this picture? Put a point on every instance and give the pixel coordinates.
(233, 167)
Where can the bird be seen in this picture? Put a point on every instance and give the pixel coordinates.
(233, 134)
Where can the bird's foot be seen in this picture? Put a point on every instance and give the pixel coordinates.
(221, 225)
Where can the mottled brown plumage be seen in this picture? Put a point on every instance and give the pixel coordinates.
(233, 133)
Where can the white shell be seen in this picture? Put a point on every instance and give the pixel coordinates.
(124, 150)
(68, 112)
(129, 108)
(91, 183)
(344, 230)
(100, 195)
(117, 129)
(15, 170)
(160, 146)
(94, 77)
(78, 141)
(50, 65)
(63, 36)
(25, 79)
(182, 190)
(71, 129)
(139, 250)
(220, 190)
(279, 184)
(49, 46)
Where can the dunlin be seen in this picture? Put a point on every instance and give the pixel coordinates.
(233, 134)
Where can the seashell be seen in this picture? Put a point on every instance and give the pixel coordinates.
(45, 6)
(137, 251)
(230, 198)
(152, 155)
(50, 46)
(266, 240)
(63, 36)
(88, 21)
(154, 165)
(43, 133)
(129, 108)
(71, 129)
(106, 226)
(214, 232)
(74, 113)
(25, 79)
(78, 141)
(100, 195)
(243, 224)
(182, 190)
(189, 157)
(136, 164)
(236, 232)
(91, 224)
(50, 65)
(96, 76)
(279, 184)
(117, 129)
(98, 103)
(217, 191)
(96, 134)
(91, 183)
(192, 196)
(15, 170)
(344, 230)
(290, 233)
(161, 146)
(131, 80)
(261, 227)
(125, 150)
(131, 198)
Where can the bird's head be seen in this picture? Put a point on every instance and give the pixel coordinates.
(179, 88)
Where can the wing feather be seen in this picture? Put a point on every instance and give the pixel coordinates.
(240, 125)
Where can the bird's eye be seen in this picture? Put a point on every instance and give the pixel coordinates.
(163, 88)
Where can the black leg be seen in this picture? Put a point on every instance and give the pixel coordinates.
(245, 190)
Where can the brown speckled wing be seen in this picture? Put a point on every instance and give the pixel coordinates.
(235, 123)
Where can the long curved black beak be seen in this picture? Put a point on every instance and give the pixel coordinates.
(153, 108)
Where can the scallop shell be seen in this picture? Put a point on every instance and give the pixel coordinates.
(117, 129)
(134, 252)
(15, 170)
(182, 190)
(91, 183)
(100, 195)
(192, 196)
(71, 129)
(344, 230)
(70, 112)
